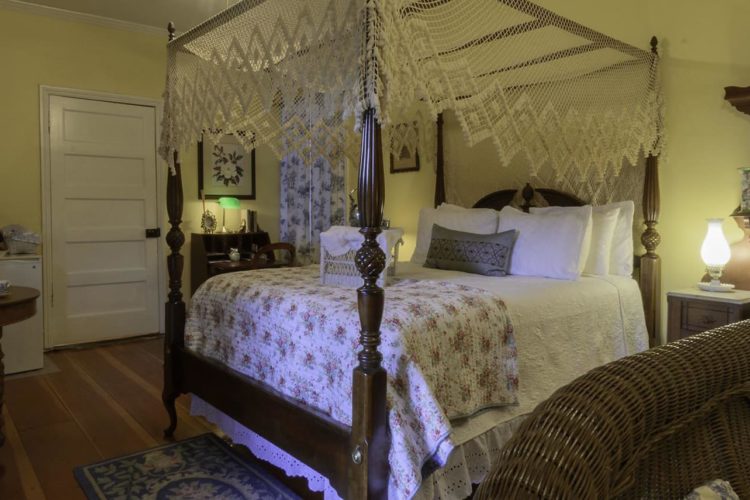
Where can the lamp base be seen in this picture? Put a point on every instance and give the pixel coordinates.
(715, 287)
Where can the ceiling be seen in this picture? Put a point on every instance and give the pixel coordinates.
(154, 13)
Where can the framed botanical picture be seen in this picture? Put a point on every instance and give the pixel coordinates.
(226, 169)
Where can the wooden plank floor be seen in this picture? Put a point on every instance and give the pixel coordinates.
(104, 402)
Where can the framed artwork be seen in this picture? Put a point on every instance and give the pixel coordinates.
(226, 169)
(404, 160)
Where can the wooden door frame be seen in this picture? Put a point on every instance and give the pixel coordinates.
(45, 92)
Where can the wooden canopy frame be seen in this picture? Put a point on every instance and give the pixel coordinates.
(354, 459)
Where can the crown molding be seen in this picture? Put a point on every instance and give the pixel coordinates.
(69, 15)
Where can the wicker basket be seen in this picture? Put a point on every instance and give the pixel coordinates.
(341, 270)
(20, 241)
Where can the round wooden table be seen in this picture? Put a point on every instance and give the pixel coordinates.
(18, 305)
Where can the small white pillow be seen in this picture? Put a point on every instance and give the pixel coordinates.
(621, 256)
(548, 245)
(450, 206)
(474, 220)
(583, 212)
(603, 223)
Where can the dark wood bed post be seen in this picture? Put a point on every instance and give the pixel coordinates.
(368, 476)
(650, 278)
(175, 307)
(439, 164)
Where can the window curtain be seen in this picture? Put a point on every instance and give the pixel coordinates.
(313, 198)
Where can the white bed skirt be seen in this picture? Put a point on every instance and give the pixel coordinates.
(467, 464)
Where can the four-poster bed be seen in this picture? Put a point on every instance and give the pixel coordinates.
(306, 120)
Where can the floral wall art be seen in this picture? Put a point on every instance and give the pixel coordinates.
(226, 169)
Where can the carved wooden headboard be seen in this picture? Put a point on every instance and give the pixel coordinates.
(504, 197)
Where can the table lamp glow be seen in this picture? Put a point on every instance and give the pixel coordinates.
(715, 253)
(230, 203)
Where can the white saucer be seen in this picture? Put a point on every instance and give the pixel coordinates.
(722, 287)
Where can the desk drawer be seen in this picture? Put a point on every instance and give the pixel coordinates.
(699, 316)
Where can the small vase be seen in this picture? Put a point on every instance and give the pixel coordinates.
(234, 255)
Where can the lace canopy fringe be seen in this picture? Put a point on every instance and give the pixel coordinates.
(297, 75)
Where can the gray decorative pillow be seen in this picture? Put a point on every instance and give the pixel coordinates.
(487, 254)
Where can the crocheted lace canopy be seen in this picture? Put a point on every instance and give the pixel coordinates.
(296, 75)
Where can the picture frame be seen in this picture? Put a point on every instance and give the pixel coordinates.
(226, 169)
(404, 161)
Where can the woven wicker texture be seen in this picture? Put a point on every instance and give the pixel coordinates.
(652, 425)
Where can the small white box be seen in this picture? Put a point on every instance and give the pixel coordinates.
(342, 270)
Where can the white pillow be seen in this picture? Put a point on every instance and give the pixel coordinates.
(603, 223)
(450, 206)
(584, 211)
(621, 257)
(474, 220)
(548, 245)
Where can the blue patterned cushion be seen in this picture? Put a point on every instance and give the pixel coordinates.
(487, 254)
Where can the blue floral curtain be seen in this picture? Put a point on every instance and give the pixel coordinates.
(313, 198)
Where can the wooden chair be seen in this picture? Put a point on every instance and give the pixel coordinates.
(266, 256)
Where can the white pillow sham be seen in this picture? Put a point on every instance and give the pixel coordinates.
(473, 220)
(583, 212)
(450, 206)
(598, 244)
(549, 245)
(621, 256)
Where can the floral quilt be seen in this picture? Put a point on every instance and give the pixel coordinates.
(448, 349)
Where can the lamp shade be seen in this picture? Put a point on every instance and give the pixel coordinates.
(715, 249)
(229, 202)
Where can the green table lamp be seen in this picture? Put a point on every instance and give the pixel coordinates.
(227, 202)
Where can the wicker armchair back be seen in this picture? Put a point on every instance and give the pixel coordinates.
(652, 425)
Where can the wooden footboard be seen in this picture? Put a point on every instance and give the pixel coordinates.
(310, 436)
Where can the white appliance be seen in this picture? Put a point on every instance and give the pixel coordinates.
(23, 342)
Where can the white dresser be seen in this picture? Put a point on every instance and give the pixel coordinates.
(23, 342)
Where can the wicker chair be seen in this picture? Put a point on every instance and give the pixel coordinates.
(652, 425)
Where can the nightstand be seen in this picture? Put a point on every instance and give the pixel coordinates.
(693, 311)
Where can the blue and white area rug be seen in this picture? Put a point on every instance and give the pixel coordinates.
(203, 467)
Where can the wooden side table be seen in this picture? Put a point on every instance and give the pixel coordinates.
(694, 311)
(18, 305)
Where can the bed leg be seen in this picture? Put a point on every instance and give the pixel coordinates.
(169, 404)
(174, 338)
(368, 471)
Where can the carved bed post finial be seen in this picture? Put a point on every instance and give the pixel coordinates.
(654, 45)
(369, 446)
(650, 268)
(171, 29)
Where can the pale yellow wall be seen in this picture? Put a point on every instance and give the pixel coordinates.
(38, 50)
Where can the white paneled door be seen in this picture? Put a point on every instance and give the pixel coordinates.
(102, 200)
